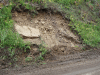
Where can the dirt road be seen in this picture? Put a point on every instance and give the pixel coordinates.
(88, 64)
(82, 68)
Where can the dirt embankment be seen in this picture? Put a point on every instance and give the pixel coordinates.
(64, 46)
(54, 32)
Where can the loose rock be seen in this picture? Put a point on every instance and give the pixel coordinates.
(27, 31)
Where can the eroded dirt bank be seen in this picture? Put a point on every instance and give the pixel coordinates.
(64, 46)
(53, 28)
(54, 32)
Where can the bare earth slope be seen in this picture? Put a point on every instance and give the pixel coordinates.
(54, 31)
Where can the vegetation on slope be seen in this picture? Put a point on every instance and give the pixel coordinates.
(83, 14)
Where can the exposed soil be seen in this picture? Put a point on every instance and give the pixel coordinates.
(55, 33)
(53, 28)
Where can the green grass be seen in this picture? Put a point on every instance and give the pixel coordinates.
(68, 2)
(87, 23)
(84, 19)
(89, 33)
(28, 59)
(43, 50)
(8, 37)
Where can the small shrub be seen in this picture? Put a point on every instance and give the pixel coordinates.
(89, 33)
(43, 50)
(8, 37)
(68, 2)
(28, 59)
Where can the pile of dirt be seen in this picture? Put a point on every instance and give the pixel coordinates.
(54, 32)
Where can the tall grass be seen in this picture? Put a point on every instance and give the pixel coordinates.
(8, 37)
(78, 12)
(68, 2)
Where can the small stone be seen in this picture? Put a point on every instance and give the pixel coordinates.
(42, 22)
(72, 45)
(36, 22)
(50, 27)
(44, 32)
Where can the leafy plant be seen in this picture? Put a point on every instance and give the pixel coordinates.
(27, 59)
(89, 32)
(8, 37)
(43, 50)
(68, 2)
(79, 15)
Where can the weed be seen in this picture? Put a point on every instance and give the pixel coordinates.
(43, 50)
(44, 63)
(10, 64)
(28, 59)
(69, 2)
(8, 37)
(16, 66)
(76, 46)
(83, 48)
(89, 31)
(11, 51)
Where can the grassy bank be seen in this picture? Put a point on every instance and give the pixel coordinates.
(83, 14)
